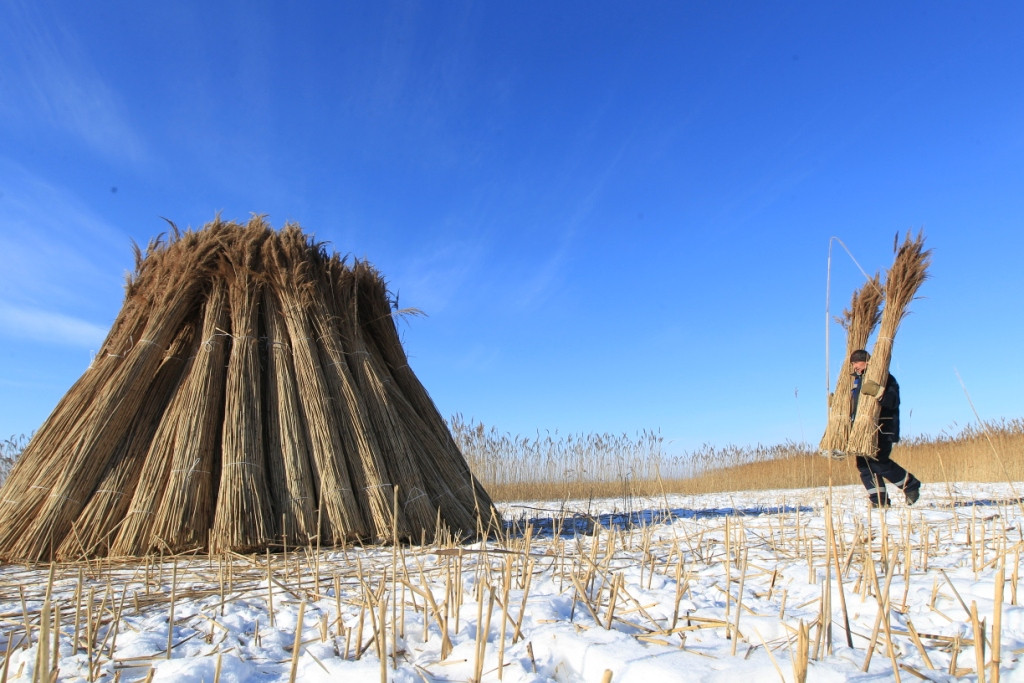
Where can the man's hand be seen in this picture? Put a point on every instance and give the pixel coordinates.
(871, 388)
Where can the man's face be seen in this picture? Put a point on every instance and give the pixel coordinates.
(860, 366)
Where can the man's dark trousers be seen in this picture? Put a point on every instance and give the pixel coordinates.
(875, 471)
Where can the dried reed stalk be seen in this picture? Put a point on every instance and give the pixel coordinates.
(978, 628)
(997, 623)
(800, 655)
(297, 643)
(859, 321)
(904, 278)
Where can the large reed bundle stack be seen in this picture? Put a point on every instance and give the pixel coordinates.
(859, 321)
(252, 391)
(909, 270)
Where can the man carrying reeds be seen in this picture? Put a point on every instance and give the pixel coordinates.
(874, 471)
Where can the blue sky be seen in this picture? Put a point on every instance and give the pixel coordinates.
(616, 216)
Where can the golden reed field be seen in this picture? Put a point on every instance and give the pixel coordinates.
(547, 467)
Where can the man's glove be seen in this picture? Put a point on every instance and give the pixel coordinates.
(871, 388)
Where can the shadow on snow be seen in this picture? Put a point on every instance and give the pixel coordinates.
(568, 524)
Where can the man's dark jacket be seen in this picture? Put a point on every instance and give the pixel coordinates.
(889, 416)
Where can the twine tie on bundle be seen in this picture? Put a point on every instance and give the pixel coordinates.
(419, 495)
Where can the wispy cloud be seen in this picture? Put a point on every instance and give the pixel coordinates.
(551, 270)
(431, 281)
(49, 327)
(49, 79)
(58, 255)
(63, 264)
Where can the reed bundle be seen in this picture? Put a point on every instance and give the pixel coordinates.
(242, 519)
(292, 485)
(908, 272)
(253, 391)
(339, 517)
(179, 463)
(859, 321)
(102, 517)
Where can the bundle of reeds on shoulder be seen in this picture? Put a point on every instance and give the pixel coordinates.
(908, 272)
(252, 392)
(859, 321)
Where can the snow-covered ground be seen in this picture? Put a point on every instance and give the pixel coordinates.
(685, 588)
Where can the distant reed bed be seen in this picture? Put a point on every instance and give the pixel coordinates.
(10, 451)
(550, 466)
(579, 466)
